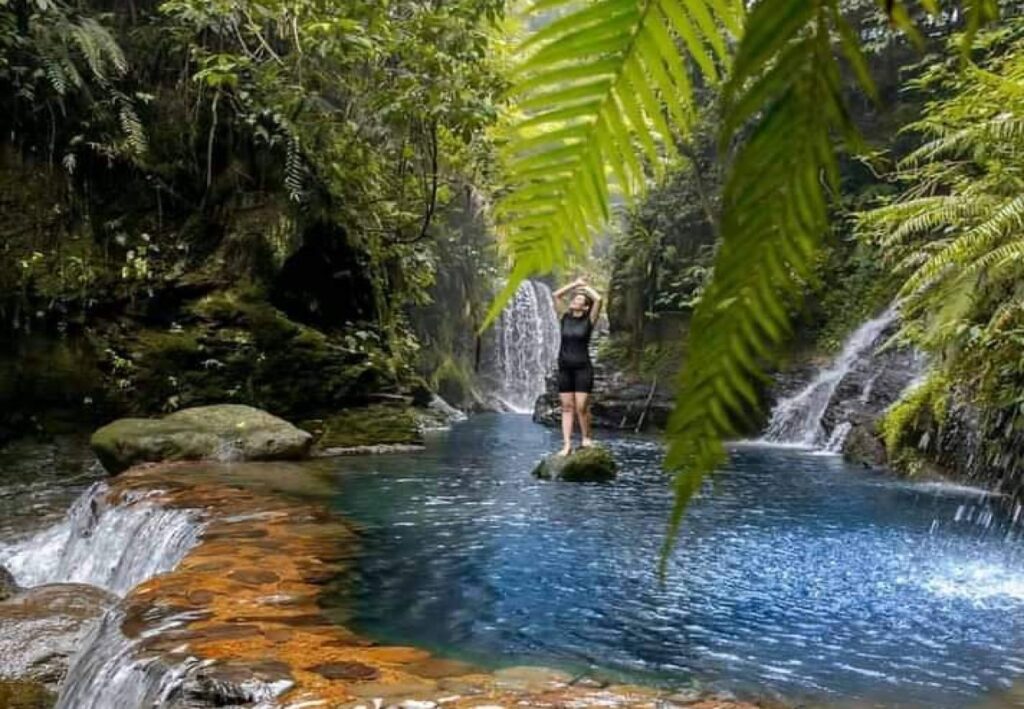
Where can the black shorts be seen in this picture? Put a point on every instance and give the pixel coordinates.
(575, 379)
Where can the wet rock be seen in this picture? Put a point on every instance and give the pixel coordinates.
(863, 445)
(438, 668)
(254, 577)
(346, 670)
(238, 684)
(8, 586)
(592, 464)
(225, 431)
(531, 679)
(17, 694)
(41, 628)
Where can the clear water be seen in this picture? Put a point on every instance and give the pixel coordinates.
(800, 577)
(40, 480)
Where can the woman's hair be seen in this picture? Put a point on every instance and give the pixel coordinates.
(590, 301)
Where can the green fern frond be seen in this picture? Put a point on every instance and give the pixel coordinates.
(786, 81)
(1003, 130)
(603, 92)
(968, 248)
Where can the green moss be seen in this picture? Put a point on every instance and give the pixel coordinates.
(592, 464)
(17, 694)
(928, 401)
(378, 424)
(452, 382)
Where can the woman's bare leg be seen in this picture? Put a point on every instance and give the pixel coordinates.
(568, 413)
(582, 401)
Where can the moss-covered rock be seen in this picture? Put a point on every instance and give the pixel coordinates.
(375, 425)
(226, 431)
(19, 694)
(591, 464)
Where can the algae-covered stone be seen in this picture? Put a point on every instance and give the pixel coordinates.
(224, 432)
(19, 694)
(591, 464)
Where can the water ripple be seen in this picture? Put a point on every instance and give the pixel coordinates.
(798, 575)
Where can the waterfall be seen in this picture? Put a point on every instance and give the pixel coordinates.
(110, 671)
(526, 346)
(798, 419)
(112, 546)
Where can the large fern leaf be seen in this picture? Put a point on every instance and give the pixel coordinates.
(786, 81)
(597, 80)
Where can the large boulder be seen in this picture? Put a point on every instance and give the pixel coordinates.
(221, 432)
(41, 628)
(591, 464)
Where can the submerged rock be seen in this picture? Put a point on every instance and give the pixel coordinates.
(592, 464)
(8, 586)
(223, 432)
(41, 628)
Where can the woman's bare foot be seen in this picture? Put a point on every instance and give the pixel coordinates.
(565, 451)
(587, 443)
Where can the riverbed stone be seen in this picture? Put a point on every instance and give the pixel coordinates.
(8, 586)
(591, 464)
(219, 432)
(41, 628)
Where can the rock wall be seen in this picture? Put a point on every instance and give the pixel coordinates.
(620, 401)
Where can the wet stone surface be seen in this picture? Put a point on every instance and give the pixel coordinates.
(255, 629)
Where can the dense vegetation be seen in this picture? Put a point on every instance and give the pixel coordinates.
(290, 204)
(199, 195)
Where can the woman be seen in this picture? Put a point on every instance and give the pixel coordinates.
(575, 372)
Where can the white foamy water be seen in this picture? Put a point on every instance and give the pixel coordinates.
(115, 547)
(526, 346)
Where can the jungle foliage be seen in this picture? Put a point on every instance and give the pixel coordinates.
(324, 153)
(606, 91)
(955, 234)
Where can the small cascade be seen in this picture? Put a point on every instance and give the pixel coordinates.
(526, 345)
(838, 437)
(798, 419)
(115, 547)
(108, 672)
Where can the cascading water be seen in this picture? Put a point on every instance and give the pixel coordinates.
(526, 346)
(115, 547)
(798, 419)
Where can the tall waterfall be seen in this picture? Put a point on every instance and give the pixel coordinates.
(526, 345)
(115, 547)
(798, 419)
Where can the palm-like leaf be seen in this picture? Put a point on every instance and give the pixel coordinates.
(595, 82)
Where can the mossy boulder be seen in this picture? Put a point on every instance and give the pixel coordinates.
(375, 425)
(219, 432)
(591, 464)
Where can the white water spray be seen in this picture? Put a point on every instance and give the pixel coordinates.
(526, 346)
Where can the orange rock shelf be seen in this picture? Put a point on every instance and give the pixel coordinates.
(246, 599)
